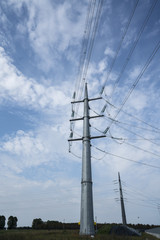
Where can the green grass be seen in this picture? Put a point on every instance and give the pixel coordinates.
(61, 235)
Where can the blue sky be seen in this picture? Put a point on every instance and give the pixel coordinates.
(40, 47)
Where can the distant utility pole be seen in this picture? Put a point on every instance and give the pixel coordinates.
(87, 217)
(122, 201)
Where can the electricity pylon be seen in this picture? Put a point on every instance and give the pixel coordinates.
(122, 201)
(87, 217)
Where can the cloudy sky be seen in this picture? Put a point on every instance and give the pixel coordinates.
(40, 47)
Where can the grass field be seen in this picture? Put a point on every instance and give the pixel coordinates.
(61, 235)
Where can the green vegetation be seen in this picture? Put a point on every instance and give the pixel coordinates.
(2, 222)
(12, 222)
(54, 230)
(61, 235)
(105, 229)
(53, 225)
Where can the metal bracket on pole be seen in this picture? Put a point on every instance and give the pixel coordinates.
(80, 139)
(91, 99)
(77, 101)
(75, 139)
(76, 119)
(96, 116)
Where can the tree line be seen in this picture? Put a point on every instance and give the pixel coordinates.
(11, 223)
(39, 224)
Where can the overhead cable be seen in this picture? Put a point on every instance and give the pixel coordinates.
(140, 197)
(137, 80)
(136, 134)
(116, 138)
(85, 41)
(96, 11)
(124, 123)
(139, 204)
(127, 159)
(119, 46)
(144, 150)
(93, 16)
(135, 44)
(75, 155)
(83, 55)
(131, 115)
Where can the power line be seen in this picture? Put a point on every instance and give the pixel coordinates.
(147, 201)
(142, 72)
(100, 157)
(144, 150)
(117, 138)
(124, 123)
(84, 46)
(147, 139)
(87, 59)
(137, 80)
(127, 159)
(91, 29)
(131, 115)
(75, 155)
(90, 48)
(131, 125)
(140, 139)
(134, 44)
(148, 206)
(93, 16)
(96, 129)
(120, 44)
(133, 190)
(134, 146)
(139, 196)
(125, 139)
(139, 136)
(98, 12)
(83, 56)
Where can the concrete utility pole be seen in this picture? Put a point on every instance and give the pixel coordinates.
(87, 221)
(122, 201)
(87, 217)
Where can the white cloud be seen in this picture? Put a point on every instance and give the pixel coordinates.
(16, 87)
(109, 52)
(34, 148)
(102, 65)
(48, 27)
(138, 100)
(32, 196)
(135, 72)
(129, 38)
(24, 144)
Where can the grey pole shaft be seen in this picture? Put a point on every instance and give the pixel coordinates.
(87, 220)
(122, 202)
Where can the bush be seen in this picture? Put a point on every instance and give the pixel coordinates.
(106, 229)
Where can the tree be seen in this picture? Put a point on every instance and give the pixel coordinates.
(2, 222)
(37, 223)
(12, 222)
